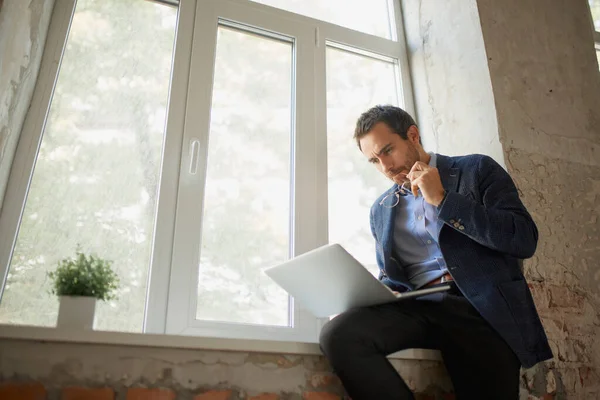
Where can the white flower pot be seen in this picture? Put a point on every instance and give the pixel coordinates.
(76, 312)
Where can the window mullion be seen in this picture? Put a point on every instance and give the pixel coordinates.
(159, 277)
(320, 137)
(403, 74)
(188, 222)
(309, 230)
(321, 215)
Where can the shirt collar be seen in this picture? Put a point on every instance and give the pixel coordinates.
(433, 160)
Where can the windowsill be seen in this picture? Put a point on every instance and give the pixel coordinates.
(182, 342)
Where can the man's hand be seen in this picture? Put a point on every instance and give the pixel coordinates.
(427, 179)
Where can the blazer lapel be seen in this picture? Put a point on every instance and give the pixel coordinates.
(392, 267)
(388, 215)
(448, 174)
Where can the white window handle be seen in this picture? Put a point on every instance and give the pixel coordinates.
(194, 155)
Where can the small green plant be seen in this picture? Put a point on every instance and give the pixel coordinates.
(84, 275)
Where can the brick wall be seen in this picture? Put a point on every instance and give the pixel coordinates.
(37, 391)
(56, 371)
(31, 369)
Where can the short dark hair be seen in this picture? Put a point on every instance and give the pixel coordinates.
(396, 118)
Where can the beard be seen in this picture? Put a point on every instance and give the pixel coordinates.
(398, 175)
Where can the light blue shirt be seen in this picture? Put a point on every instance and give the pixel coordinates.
(416, 232)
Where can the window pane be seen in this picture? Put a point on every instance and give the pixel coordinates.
(96, 174)
(373, 16)
(595, 7)
(354, 84)
(247, 196)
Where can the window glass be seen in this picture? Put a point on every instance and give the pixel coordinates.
(246, 222)
(354, 84)
(375, 17)
(595, 7)
(96, 173)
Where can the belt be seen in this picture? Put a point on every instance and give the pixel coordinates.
(442, 279)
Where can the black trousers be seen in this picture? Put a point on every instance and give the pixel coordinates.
(479, 362)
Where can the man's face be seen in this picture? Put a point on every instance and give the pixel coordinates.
(391, 155)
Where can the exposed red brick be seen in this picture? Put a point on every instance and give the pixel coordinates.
(265, 396)
(588, 376)
(25, 391)
(214, 395)
(320, 396)
(81, 393)
(573, 325)
(569, 377)
(150, 394)
(573, 350)
(321, 380)
(541, 298)
(564, 297)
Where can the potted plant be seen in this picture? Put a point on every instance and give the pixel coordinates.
(79, 282)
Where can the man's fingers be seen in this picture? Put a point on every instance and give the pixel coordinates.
(414, 186)
(420, 166)
(417, 169)
(414, 175)
(415, 190)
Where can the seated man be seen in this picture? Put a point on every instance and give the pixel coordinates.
(456, 220)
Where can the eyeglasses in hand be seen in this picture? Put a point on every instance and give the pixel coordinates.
(392, 199)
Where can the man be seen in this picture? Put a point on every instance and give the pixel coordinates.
(451, 220)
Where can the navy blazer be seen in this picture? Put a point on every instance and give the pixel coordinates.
(486, 233)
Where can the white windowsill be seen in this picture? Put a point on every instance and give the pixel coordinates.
(182, 342)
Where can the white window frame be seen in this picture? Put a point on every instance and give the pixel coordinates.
(181, 309)
(596, 33)
(170, 303)
(31, 134)
(597, 41)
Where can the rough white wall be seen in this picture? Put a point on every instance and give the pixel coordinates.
(451, 80)
(23, 29)
(545, 77)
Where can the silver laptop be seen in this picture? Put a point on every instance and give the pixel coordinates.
(328, 281)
